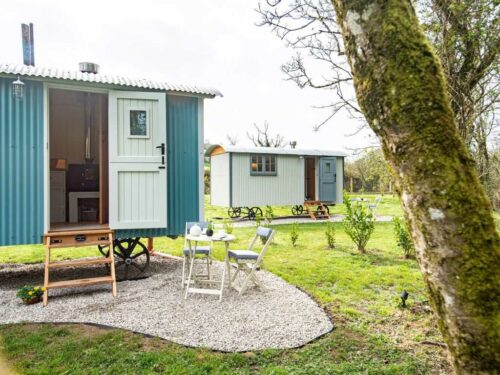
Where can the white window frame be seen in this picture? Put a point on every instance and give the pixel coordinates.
(264, 157)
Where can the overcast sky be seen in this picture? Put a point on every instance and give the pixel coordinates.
(207, 43)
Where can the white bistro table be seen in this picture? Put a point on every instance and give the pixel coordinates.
(193, 243)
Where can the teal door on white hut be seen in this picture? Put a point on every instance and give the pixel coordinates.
(137, 160)
(327, 179)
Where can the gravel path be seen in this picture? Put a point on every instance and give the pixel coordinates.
(280, 317)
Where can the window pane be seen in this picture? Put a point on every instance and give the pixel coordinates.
(253, 164)
(138, 124)
(273, 164)
(268, 164)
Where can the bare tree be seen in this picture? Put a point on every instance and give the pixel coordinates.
(465, 33)
(401, 88)
(263, 138)
(310, 27)
(232, 139)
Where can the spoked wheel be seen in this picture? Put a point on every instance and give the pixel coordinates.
(234, 212)
(320, 211)
(254, 212)
(131, 258)
(297, 210)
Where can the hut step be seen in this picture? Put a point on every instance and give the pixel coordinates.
(79, 263)
(316, 210)
(80, 282)
(55, 240)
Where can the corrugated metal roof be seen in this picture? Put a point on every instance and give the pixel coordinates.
(68, 75)
(276, 151)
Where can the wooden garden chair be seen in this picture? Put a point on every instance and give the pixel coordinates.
(198, 252)
(248, 261)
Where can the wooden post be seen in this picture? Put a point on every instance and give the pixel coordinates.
(112, 264)
(350, 189)
(46, 275)
(150, 245)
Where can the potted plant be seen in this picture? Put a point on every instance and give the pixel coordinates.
(31, 294)
(210, 229)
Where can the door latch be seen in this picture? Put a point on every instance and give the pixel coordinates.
(162, 149)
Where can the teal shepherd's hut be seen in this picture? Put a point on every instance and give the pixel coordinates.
(88, 158)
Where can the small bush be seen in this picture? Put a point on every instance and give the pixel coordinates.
(403, 238)
(294, 234)
(330, 234)
(258, 219)
(358, 223)
(228, 226)
(268, 215)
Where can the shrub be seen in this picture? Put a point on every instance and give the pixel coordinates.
(269, 215)
(330, 234)
(228, 226)
(358, 223)
(294, 234)
(258, 219)
(403, 238)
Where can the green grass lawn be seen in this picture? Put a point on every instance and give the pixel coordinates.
(373, 335)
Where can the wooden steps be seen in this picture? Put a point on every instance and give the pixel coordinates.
(316, 210)
(79, 263)
(80, 282)
(64, 239)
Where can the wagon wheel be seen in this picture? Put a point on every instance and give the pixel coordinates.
(131, 257)
(234, 212)
(254, 212)
(320, 211)
(297, 209)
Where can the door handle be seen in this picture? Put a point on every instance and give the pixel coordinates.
(162, 149)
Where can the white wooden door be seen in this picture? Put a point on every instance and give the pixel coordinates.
(137, 160)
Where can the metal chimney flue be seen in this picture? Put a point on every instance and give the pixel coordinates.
(88, 67)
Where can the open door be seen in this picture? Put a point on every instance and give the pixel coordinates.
(137, 160)
(327, 179)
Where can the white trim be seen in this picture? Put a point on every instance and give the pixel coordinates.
(316, 184)
(46, 140)
(46, 160)
(201, 144)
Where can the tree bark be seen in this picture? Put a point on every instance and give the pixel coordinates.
(401, 89)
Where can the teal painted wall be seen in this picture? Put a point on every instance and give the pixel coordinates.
(182, 169)
(21, 164)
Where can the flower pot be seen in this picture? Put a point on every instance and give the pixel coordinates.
(32, 300)
(210, 232)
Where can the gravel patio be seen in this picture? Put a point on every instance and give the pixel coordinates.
(280, 317)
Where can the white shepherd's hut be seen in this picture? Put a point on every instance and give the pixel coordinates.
(244, 178)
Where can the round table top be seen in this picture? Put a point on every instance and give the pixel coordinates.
(216, 237)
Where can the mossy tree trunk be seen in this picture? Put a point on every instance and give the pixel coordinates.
(401, 89)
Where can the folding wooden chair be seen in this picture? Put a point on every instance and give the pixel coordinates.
(248, 261)
(373, 207)
(193, 253)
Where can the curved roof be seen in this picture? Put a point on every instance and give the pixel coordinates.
(72, 75)
(220, 149)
